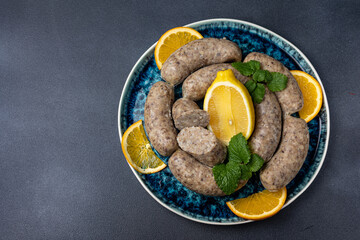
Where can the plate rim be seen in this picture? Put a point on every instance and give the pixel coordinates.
(207, 21)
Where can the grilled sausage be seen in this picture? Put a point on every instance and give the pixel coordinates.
(290, 99)
(186, 113)
(202, 145)
(195, 175)
(158, 122)
(197, 54)
(196, 85)
(290, 156)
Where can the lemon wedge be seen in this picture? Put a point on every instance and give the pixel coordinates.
(230, 107)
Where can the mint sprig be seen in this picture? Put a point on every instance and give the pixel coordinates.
(278, 82)
(241, 164)
(250, 85)
(255, 163)
(248, 68)
(259, 93)
(227, 176)
(239, 150)
(275, 81)
(262, 76)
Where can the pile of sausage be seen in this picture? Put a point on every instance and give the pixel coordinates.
(195, 150)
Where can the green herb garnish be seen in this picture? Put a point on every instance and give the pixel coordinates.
(275, 81)
(241, 164)
(262, 76)
(255, 163)
(259, 93)
(248, 68)
(227, 176)
(250, 85)
(239, 150)
(278, 82)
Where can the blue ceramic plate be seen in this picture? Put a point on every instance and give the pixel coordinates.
(163, 186)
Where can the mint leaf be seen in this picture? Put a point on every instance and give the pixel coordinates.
(243, 68)
(255, 65)
(255, 163)
(260, 76)
(259, 92)
(278, 82)
(238, 149)
(227, 176)
(275, 81)
(250, 85)
(246, 174)
(268, 76)
(241, 164)
(248, 68)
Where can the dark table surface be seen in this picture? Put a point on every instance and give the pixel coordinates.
(63, 65)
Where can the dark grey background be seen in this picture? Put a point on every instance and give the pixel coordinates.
(63, 65)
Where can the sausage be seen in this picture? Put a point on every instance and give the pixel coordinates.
(196, 85)
(290, 99)
(202, 145)
(267, 132)
(290, 156)
(183, 105)
(197, 54)
(195, 175)
(266, 136)
(186, 113)
(158, 122)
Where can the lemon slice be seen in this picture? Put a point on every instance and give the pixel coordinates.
(312, 94)
(230, 107)
(137, 150)
(172, 40)
(259, 205)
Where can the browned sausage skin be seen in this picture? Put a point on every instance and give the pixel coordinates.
(197, 54)
(290, 99)
(158, 121)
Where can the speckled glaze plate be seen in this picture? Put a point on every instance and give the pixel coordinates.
(163, 186)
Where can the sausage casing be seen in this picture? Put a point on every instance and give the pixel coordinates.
(266, 136)
(197, 54)
(290, 156)
(195, 175)
(196, 85)
(158, 121)
(290, 99)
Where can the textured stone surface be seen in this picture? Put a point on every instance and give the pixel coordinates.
(63, 65)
